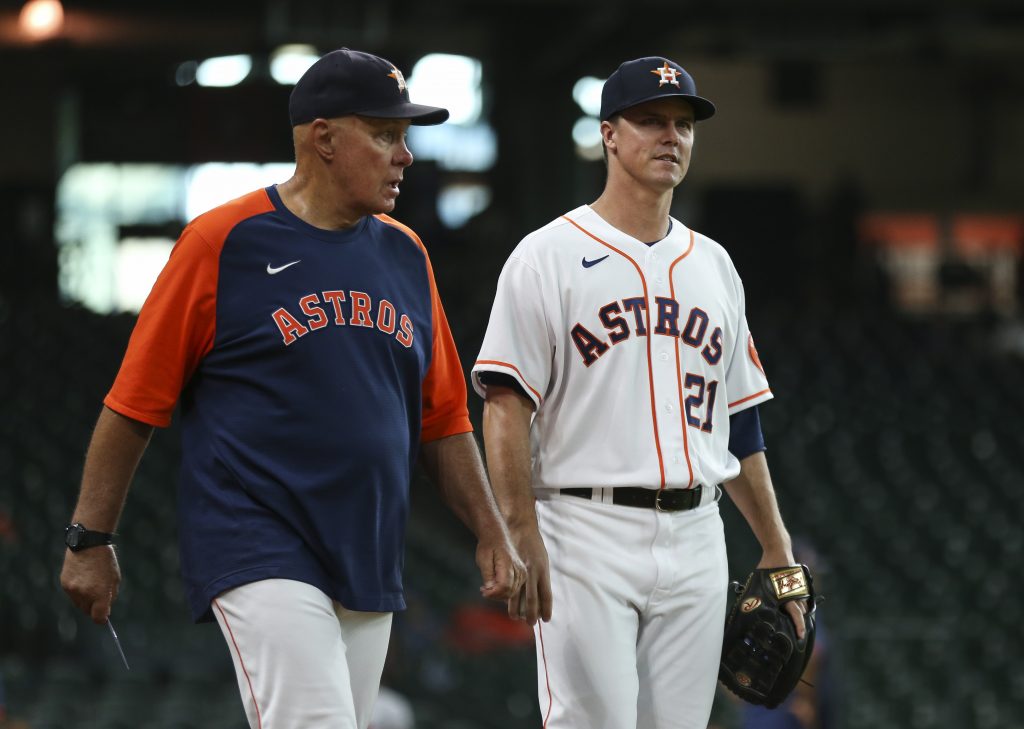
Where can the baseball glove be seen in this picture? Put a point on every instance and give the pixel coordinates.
(762, 659)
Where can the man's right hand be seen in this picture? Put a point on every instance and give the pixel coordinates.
(533, 601)
(91, 578)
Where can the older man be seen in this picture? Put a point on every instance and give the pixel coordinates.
(301, 328)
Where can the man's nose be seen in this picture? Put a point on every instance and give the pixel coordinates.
(404, 157)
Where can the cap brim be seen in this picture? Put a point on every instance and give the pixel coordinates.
(418, 114)
(702, 108)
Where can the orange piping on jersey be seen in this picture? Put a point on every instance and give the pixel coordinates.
(241, 662)
(512, 367)
(679, 367)
(547, 678)
(650, 335)
(750, 397)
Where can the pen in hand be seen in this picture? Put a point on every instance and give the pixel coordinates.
(117, 642)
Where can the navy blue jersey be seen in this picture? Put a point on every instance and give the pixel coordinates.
(309, 365)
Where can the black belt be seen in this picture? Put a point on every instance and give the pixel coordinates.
(660, 499)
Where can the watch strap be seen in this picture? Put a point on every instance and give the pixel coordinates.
(84, 538)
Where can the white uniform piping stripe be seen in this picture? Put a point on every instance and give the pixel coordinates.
(679, 368)
(650, 373)
(241, 662)
(518, 375)
(547, 676)
(750, 397)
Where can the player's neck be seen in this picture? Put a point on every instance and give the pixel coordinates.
(313, 204)
(637, 212)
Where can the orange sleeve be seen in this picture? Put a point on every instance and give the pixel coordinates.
(445, 411)
(444, 388)
(174, 331)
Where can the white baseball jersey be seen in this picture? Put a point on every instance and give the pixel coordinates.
(634, 355)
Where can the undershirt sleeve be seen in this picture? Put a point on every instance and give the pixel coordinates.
(488, 377)
(745, 435)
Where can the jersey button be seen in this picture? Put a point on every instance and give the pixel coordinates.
(663, 356)
(669, 408)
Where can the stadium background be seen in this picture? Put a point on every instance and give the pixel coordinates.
(866, 171)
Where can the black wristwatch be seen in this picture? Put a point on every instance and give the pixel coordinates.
(77, 537)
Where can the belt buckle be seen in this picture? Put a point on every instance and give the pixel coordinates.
(657, 500)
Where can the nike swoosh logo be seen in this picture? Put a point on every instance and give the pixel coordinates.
(588, 264)
(271, 270)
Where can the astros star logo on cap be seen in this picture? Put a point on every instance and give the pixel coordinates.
(667, 75)
(397, 75)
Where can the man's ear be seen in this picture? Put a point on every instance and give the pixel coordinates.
(608, 135)
(323, 138)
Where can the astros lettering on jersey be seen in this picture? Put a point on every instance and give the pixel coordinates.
(612, 307)
(362, 304)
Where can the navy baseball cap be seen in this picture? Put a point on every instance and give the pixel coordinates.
(345, 82)
(646, 79)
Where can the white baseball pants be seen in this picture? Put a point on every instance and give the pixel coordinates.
(635, 636)
(302, 660)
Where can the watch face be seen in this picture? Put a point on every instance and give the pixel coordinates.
(73, 535)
